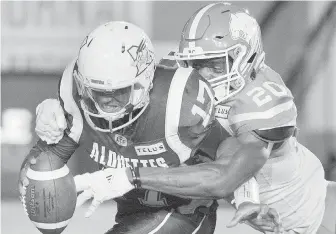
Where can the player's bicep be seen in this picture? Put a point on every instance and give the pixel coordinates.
(245, 144)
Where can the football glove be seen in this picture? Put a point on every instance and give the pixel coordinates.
(259, 216)
(102, 185)
(50, 121)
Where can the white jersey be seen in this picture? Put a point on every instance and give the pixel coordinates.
(292, 181)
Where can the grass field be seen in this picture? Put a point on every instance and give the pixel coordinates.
(14, 221)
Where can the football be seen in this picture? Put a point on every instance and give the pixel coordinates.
(50, 199)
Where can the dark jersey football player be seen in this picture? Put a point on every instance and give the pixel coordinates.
(125, 120)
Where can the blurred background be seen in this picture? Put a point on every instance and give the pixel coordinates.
(39, 38)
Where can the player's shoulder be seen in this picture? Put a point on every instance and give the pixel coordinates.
(181, 80)
(178, 100)
(266, 91)
(185, 93)
(69, 100)
(65, 86)
(264, 102)
(197, 97)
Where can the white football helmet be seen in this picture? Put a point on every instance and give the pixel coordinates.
(115, 62)
(222, 30)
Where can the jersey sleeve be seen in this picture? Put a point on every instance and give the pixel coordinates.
(68, 97)
(210, 143)
(261, 105)
(189, 112)
(64, 149)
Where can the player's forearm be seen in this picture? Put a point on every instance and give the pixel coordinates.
(187, 181)
(64, 149)
(207, 180)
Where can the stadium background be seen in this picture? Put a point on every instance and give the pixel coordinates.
(39, 38)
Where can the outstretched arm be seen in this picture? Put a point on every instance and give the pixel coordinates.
(212, 180)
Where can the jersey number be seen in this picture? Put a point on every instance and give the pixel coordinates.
(203, 88)
(260, 95)
(153, 199)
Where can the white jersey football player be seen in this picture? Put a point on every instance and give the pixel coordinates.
(223, 42)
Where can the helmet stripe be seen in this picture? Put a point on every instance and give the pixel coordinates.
(194, 25)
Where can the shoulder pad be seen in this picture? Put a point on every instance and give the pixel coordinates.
(69, 100)
(169, 62)
(265, 103)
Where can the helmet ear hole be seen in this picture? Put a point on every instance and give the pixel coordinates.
(253, 74)
(252, 58)
(236, 52)
(219, 37)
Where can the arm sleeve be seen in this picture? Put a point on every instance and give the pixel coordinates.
(64, 149)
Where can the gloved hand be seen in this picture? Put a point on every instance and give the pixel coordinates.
(30, 159)
(259, 216)
(50, 121)
(101, 186)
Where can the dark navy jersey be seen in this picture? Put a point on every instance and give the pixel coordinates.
(178, 120)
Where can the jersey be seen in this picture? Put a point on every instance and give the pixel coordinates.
(291, 176)
(179, 117)
(264, 103)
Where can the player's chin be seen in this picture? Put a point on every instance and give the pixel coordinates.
(112, 109)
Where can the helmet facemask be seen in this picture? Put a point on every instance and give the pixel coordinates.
(223, 71)
(114, 73)
(119, 107)
(221, 30)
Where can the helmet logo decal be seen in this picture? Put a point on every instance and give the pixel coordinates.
(141, 56)
(242, 26)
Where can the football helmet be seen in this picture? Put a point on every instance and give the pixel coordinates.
(114, 73)
(222, 30)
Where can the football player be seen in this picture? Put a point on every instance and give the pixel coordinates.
(111, 106)
(223, 42)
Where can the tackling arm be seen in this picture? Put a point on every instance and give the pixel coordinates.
(213, 180)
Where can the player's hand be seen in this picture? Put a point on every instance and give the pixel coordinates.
(259, 216)
(50, 121)
(101, 186)
(23, 180)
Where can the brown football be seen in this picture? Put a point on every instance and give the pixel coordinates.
(50, 199)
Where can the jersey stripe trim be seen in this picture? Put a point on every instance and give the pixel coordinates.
(199, 225)
(194, 25)
(173, 111)
(70, 105)
(292, 122)
(268, 114)
(162, 223)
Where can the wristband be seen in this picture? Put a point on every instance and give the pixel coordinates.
(247, 192)
(136, 177)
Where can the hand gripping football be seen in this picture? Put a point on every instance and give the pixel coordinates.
(50, 199)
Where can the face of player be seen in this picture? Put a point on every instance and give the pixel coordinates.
(113, 101)
(211, 68)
